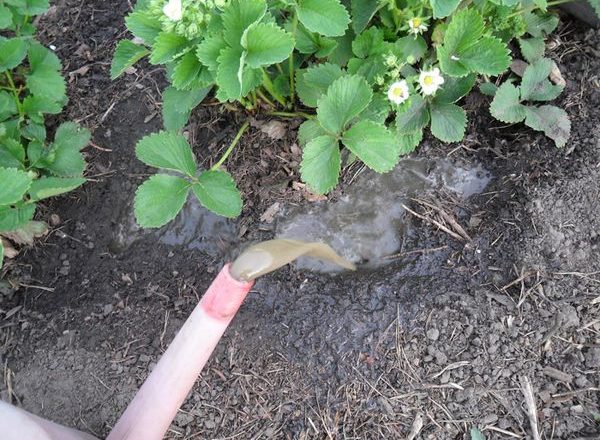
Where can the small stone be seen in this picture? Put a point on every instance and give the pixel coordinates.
(433, 334)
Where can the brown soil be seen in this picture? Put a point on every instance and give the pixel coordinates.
(438, 340)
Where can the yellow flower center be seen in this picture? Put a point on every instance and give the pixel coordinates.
(416, 22)
(397, 92)
(428, 80)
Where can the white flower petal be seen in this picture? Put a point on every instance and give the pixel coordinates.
(173, 10)
(430, 81)
(398, 92)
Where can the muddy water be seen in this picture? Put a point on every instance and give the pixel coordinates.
(194, 228)
(364, 226)
(197, 228)
(368, 222)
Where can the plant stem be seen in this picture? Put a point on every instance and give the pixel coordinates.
(235, 141)
(291, 61)
(15, 92)
(262, 96)
(269, 87)
(534, 7)
(292, 115)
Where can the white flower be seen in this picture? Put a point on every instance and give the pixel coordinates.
(417, 26)
(173, 10)
(430, 81)
(398, 92)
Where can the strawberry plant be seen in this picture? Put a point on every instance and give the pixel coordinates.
(368, 76)
(32, 167)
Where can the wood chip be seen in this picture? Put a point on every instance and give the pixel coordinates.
(274, 129)
(417, 425)
(518, 67)
(556, 76)
(527, 391)
(557, 374)
(269, 215)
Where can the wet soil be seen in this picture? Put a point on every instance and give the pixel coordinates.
(436, 341)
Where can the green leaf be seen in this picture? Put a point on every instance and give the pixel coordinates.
(362, 13)
(540, 25)
(489, 56)
(1, 243)
(506, 105)
(370, 42)
(218, 193)
(455, 88)
(12, 218)
(178, 105)
(167, 47)
(34, 132)
(12, 52)
(448, 122)
(159, 199)
(189, 73)
(46, 82)
(343, 51)
(235, 80)
(29, 7)
(313, 82)
(209, 49)
(11, 152)
(596, 5)
(126, 55)
(6, 18)
(465, 28)
(143, 26)
(8, 106)
(312, 43)
(413, 117)
(476, 434)
(535, 85)
(553, 121)
(266, 44)
(309, 130)
(39, 56)
(326, 17)
(532, 48)
(378, 110)
(410, 48)
(40, 104)
(443, 8)
(35, 151)
(321, 164)
(409, 142)
(68, 141)
(346, 97)
(238, 16)
(369, 68)
(488, 88)
(45, 187)
(374, 144)
(465, 50)
(168, 151)
(15, 184)
(325, 46)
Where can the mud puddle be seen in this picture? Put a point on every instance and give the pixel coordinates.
(368, 223)
(195, 228)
